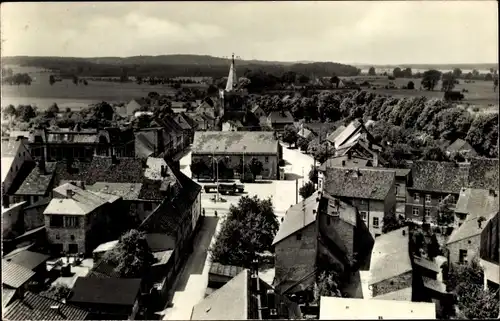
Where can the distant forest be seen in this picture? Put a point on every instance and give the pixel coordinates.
(174, 66)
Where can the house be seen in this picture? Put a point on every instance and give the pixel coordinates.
(81, 144)
(203, 121)
(16, 160)
(175, 131)
(351, 133)
(77, 220)
(37, 307)
(371, 190)
(232, 126)
(93, 294)
(16, 278)
(134, 105)
(362, 149)
(460, 146)
(187, 130)
(221, 274)
(489, 252)
(38, 184)
(390, 271)
(234, 147)
(278, 120)
(150, 142)
(332, 136)
(210, 106)
(258, 111)
(305, 132)
(358, 309)
(318, 228)
(30, 260)
(464, 243)
(432, 182)
(245, 297)
(473, 203)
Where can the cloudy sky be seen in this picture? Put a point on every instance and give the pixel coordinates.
(347, 32)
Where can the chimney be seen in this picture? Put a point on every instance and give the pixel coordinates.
(82, 184)
(493, 193)
(69, 193)
(271, 304)
(343, 163)
(348, 155)
(41, 166)
(163, 171)
(375, 159)
(404, 232)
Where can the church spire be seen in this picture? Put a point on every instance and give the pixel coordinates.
(232, 80)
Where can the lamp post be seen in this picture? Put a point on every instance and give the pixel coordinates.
(215, 162)
(243, 167)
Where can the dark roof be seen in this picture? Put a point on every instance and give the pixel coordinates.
(38, 182)
(27, 259)
(460, 145)
(434, 176)
(483, 173)
(348, 162)
(181, 122)
(172, 123)
(15, 275)
(37, 307)
(144, 147)
(189, 120)
(103, 269)
(105, 291)
(22, 174)
(281, 117)
(101, 169)
(359, 183)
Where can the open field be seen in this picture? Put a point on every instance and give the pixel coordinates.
(480, 92)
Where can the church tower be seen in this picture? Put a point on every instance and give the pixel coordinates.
(232, 79)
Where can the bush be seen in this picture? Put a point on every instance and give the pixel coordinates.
(281, 163)
(410, 85)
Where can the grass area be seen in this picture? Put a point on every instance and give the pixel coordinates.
(480, 92)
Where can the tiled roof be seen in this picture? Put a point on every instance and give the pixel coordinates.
(358, 309)
(159, 242)
(362, 183)
(216, 307)
(37, 307)
(297, 217)
(349, 162)
(433, 176)
(15, 275)
(278, 117)
(7, 162)
(144, 147)
(22, 174)
(103, 269)
(38, 182)
(304, 132)
(7, 296)
(72, 137)
(81, 202)
(459, 145)
(104, 247)
(331, 138)
(390, 256)
(27, 259)
(181, 122)
(162, 257)
(470, 228)
(399, 295)
(128, 191)
(483, 173)
(225, 270)
(97, 290)
(477, 202)
(347, 133)
(222, 143)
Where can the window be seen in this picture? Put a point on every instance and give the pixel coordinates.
(375, 222)
(427, 212)
(71, 221)
(73, 248)
(462, 257)
(58, 237)
(72, 237)
(266, 159)
(328, 220)
(35, 199)
(427, 198)
(416, 197)
(397, 187)
(362, 202)
(299, 236)
(148, 206)
(415, 211)
(56, 221)
(363, 215)
(452, 199)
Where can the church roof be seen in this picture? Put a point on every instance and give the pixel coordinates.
(232, 80)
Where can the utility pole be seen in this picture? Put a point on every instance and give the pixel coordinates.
(296, 190)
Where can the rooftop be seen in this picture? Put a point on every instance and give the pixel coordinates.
(346, 160)
(297, 217)
(477, 202)
(15, 275)
(225, 270)
(38, 181)
(10, 147)
(97, 290)
(470, 228)
(390, 256)
(81, 202)
(347, 133)
(358, 309)
(460, 145)
(331, 137)
(281, 117)
(483, 173)
(7, 296)
(27, 259)
(37, 307)
(359, 183)
(434, 176)
(235, 143)
(104, 247)
(128, 191)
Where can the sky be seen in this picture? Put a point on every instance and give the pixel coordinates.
(373, 32)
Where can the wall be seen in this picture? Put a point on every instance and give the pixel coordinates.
(11, 216)
(422, 205)
(396, 283)
(296, 258)
(470, 244)
(196, 211)
(33, 217)
(491, 273)
(338, 231)
(62, 235)
(270, 168)
(22, 155)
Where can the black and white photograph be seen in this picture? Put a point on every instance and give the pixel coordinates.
(250, 160)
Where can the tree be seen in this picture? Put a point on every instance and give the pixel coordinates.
(328, 283)
(290, 135)
(198, 167)
(25, 112)
(75, 79)
(495, 84)
(448, 82)
(488, 77)
(371, 71)
(396, 73)
(85, 82)
(391, 223)
(132, 255)
(435, 153)
(289, 77)
(457, 72)
(446, 215)
(473, 302)
(313, 175)
(10, 110)
(307, 190)
(407, 73)
(59, 291)
(335, 80)
(52, 111)
(103, 110)
(303, 79)
(250, 228)
(411, 85)
(302, 143)
(430, 79)
(52, 79)
(256, 167)
(320, 152)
